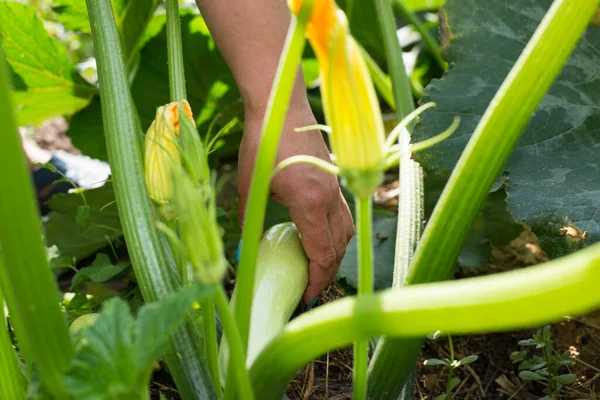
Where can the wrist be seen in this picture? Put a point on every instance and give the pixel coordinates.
(256, 101)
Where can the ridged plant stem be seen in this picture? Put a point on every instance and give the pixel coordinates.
(146, 248)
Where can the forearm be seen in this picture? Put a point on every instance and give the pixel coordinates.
(250, 34)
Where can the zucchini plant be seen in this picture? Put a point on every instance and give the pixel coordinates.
(165, 193)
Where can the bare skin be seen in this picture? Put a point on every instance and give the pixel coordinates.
(250, 35)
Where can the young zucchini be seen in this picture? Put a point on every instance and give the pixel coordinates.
(281, 279)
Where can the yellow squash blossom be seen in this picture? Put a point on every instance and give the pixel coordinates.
(349, 99)
(162, 152)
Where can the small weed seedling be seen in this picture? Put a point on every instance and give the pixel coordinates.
(452, 364)
(540, 362)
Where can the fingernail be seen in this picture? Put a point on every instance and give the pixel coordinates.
(238, 252)
(312, 303)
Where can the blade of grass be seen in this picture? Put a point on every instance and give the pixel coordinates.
(28, 276)
(491, 144)
(493, 303)
(135, 209)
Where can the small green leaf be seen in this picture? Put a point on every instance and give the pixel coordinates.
(83, 213)
(566, 379)
(100, 271)
(539, 366)
(518, 356)
(157, 320)
(454, 382)
(528, 342)
(435, 361)
(442, 396)
(531, 376)
(467, 360)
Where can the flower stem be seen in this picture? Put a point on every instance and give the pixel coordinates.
(364, 207)
(237, 358)
(175, 52)
(210, 339)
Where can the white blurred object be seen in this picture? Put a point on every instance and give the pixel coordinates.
(86, 172)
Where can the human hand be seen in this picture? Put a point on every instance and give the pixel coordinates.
(312, 196)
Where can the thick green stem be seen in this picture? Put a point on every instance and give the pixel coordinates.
(147, 251)
(210, 340)
(491, 144)
(237, 358)
(28, 276)
(11, 380)
(175, 52)
(427, 38)
(265, 161)
(499, 302)
(400, 82)
(364, 207)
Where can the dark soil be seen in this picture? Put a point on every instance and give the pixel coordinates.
(492, 376)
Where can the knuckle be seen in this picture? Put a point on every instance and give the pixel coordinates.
(326, 259)
(315, 199)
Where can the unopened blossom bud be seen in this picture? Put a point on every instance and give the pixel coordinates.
(162, 153)
(198, 227)
(349, 99)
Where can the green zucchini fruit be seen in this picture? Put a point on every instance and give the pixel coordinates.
(281, 279)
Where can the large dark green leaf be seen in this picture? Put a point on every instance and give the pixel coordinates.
(210, 85)
(82, 239)
(553, 177)
(44, 81)
(493, 227)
